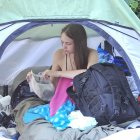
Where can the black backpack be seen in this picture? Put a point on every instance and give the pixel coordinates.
(104, 93)
(20, 93)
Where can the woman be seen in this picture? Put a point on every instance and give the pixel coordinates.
(75, 57)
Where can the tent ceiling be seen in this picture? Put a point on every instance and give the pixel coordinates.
(48, 31)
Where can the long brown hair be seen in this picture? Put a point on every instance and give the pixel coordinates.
(78, 34)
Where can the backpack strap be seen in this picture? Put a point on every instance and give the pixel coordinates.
(116, 99)
(82, 80)
(79, 82)
(116, 95)
(105, 70)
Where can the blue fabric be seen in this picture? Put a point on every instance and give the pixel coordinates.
(32, 113)
(59, 120)
(104, 56)
(119, 61)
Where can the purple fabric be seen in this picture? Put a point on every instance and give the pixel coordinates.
(60, 95)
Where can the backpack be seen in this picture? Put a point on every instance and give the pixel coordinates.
(20, 93)
(104, 93)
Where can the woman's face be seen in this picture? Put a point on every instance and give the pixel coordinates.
(67, 43)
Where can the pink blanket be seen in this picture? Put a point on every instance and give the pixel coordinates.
(60, 95)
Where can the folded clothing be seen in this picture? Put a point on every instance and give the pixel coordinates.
(76, 117)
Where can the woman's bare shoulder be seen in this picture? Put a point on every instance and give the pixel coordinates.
(93, 57)
(92, 51)
(59, 53)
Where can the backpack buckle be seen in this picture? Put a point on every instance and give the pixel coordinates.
(116, 112)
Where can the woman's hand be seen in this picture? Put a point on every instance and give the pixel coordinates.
(46, 74)
(49, 73)
(28, 77)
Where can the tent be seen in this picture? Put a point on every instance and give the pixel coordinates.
(30, 30)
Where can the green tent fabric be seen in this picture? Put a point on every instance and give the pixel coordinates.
(115, 11)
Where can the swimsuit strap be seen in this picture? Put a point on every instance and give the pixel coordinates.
(66, 62)
(71, 62)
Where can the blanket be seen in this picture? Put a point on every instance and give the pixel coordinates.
(40, 129)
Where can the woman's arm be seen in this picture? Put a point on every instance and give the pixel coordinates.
(67, 74)
(55, 67)
(93, 59)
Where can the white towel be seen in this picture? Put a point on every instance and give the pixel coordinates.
(77, 120)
